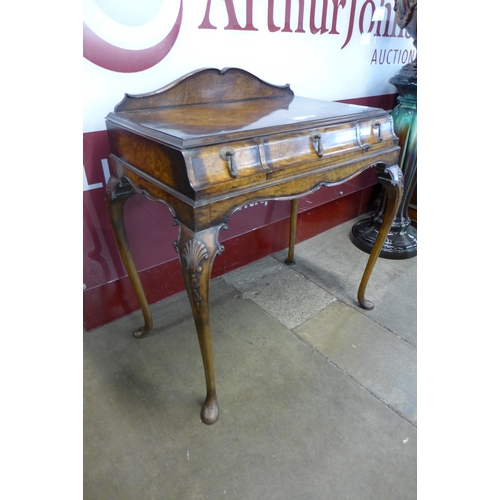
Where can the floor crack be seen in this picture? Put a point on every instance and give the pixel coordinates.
(347, 374)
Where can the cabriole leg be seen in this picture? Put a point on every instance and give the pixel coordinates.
(293, 231)
(392, 179)
(196, 255)
(117, 193)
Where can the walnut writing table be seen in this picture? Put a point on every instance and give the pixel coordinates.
(215, 140)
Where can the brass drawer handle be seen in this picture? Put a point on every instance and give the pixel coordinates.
(227, 154)
(316, 138)
(361, 144)
(377, 126)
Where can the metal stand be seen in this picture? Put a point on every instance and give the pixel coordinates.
(401, 242)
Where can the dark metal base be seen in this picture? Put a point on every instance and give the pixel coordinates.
(401, 242)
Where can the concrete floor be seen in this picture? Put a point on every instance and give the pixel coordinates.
(317, 396)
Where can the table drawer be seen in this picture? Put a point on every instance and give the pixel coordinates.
(290, 150)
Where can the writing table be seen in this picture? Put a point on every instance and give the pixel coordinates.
(216, 140)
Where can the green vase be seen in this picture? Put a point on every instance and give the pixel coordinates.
(401, 242)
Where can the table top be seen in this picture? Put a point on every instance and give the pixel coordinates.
(203, 124)
(213, 119)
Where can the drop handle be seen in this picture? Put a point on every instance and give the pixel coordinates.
(317, 143)
(227, 154)
(359, 139)
(378, 128)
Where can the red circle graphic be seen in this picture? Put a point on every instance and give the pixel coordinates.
(111, 57)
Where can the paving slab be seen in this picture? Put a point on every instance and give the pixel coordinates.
(284, 293)
(379, 360)
(292, 424)
(332, 262)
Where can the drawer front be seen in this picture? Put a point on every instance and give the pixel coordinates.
(311, 146)
(228, 166)
(219, 164)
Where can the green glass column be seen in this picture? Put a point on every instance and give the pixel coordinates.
(401, 243)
